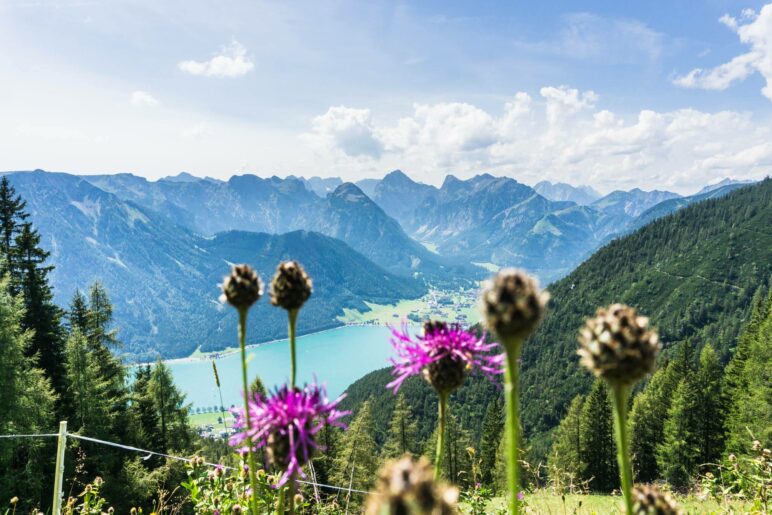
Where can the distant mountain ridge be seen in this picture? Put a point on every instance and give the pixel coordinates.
(276, 205)
(581, 195)
(163, 278)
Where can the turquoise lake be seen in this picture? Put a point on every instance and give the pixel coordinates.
(337, 358)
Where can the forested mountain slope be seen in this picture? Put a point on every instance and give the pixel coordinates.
(693, 272)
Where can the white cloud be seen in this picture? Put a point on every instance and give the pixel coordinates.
(564, 101)
(143, 99)
(757, 33)
(347, 130)
(232, 61)
(560, 135)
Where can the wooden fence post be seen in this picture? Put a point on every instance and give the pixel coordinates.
(59, 472)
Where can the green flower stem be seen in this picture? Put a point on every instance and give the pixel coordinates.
(245, 384)
(291, 495)
(293, 317)
(620, 393)
(441, 435)
(512, 398)
(280, 502)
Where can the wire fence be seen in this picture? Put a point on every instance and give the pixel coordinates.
(63, 434)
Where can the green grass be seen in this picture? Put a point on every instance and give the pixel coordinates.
(204, 419)
(548, 503)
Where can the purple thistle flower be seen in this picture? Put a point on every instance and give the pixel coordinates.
(443, 346)
(286, 423)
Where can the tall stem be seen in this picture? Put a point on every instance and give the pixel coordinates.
(280, 502)
(512, 398)
(293, 317)
(620, 392)
(441, 435)
(245, 384)
(291, 495)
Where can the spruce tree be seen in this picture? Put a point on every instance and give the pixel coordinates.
(12, 216)
(26, 407)
(678, 452)
(649, 412)
(87, 390)
(143, 412)
(598, 451)
(41, 314)
(357, 455)
(169, 402)
(77, 315)
(456, 464)
(401, 438)
(565, 459)
(750, 409)
(710, 404)
(492, 431)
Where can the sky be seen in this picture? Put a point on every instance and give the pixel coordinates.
(663, 94)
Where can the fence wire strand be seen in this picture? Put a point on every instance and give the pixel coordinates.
(149, 453)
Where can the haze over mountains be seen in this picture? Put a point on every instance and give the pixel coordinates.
(161, 246)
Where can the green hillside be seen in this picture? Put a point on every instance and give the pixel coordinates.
(693, 272)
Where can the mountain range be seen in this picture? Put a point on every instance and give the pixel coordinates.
(160, 246)
(163, 278)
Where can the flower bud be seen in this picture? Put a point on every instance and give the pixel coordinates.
(512, 304)
(649, 500)
(242, 287)
(406, 485)
(617, 345)
(291, 286)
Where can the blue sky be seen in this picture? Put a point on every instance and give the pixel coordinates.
(659, 94)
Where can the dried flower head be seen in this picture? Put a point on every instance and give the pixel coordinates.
(617, 344)
(650, 500)
(443, 355)
(286, 424)
(512, 304)
(406, 486)
(14, 500)
(242, 287)
(291, 286)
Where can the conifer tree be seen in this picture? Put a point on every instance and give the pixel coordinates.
(566, 455)
(401, 438)
(649, 412)
(710, 404)
(456, 464)
(26, 406)
(77, 315)
(12, 216)
(678, 452)
(143, 413)
(357, 453)
(88, 408)
(41, 314)
(750, 410)
(598, 451)
(169, 403)
(492, 431)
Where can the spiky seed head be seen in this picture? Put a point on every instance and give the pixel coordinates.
(406, 486)
(650, 500)
(447, 373)
(291, 286)
(617, 345)
(242, 287)
(512, 304)
(236, 509)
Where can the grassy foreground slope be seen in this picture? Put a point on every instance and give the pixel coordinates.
(693, 272)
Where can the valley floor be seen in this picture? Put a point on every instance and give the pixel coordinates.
(451, 305)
